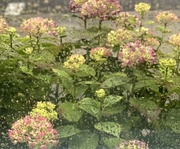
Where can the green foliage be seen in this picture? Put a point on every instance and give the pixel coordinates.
(109, 127)
(70, 111)
(90, 106)
(67, 131)
(84, 140)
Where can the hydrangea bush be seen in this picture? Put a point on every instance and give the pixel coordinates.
(109, 87)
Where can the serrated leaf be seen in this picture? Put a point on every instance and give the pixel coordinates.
(112, 128)
(114, 109)
(114, 81)
(70, 111)
(110, 100)
(85, 70)
(90, 106)
(146, 83)
(147, 107)
(84, 140)
(67, 131)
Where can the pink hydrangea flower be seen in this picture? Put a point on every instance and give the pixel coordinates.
(166, 17)
(36, 131)
(135, 53)
(38, 26)
(102, 9)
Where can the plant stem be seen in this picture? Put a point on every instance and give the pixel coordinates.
(100, 25)
(11, 41)
(85, 23)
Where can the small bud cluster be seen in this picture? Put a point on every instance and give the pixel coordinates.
(133, 144)
(38, 26)
(100, 93)
(99, 53)
(135, 53)
(74, 62)
(36, 131)
(166, 67)
(166, 18)
(127, 20)
(142, 8)
(175, 40)
(28, 50)
(3, 25)
(120, 37)
(45, 109)
(61, 30)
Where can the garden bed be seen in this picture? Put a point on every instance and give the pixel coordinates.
(94, 81)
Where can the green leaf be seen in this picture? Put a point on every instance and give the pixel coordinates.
(111, 110)
(110, 100)
(84, 140)
(114, 81)
(70, 111)
(111, 142)
(112, 128)
(85, 70)
(91, 106)
(146, 83)
(67, 131)
(66, 79)
(80, 89)
(147, 107)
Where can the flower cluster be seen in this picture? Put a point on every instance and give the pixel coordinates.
(151, 41)
(135, 53)
(36, 131)
(166, 17)
(3, 25)
(99, 53)
(166, 67)
(120, 37)
(45, 109)
(28, 50)
(100, 93)
(61, 30)
(142, 8)
(175, 40)
(76, 5)
(38, 26)
(132, 144)
(74, 62)
(127, 20)
(102, 9)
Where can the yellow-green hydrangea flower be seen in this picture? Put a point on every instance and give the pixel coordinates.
(142, 8)
(99, 53)
(61, 30)
(166, 68)
(120, 37)
(74, 62)
(100, 93)
(45, 109)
